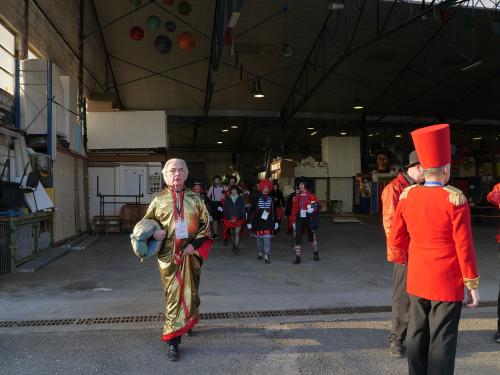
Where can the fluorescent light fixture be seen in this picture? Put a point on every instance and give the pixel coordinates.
(233, 20)
(370, 135)
(225, 130)
(219, 142)
(343, 133)
(234, 126)
(314, 133)
(258, 89)
(472, 66)
(357, 105)
(335, 5)
(310, 128)
(477, 138)
(258, 94)
(398, 135)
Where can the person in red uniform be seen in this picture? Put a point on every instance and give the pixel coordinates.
(494, 198)
(431, 232)
(414, 174)
(305, 216)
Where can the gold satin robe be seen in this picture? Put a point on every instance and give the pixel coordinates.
(180, 276)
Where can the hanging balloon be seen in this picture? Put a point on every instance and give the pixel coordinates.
(170, 26)
(168, 2)
(136, 33)
(135, 3)
(184, 8)
(154, 22)
(163, 44)
(186, 41)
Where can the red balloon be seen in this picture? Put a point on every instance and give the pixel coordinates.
(136, 33)
(186, 41)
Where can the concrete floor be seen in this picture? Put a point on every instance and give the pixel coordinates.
(108, 280)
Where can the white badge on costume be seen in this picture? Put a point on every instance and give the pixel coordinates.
(303, 213)
(181, 230)
(264, 215)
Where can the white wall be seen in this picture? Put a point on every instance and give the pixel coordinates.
(127, 129)
(343, 155)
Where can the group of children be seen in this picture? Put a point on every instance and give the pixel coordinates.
(262, 211)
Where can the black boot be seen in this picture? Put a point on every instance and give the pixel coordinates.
(266, 259)
(173, 352)
(297, 259)
(235, 250)
(316, 255)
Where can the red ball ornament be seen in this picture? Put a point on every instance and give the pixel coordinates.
(136, 33)
(186, 41)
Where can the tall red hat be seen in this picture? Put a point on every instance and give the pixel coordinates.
(432, 144)
(265, 183)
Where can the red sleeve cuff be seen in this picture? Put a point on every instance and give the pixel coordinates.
(205, 247)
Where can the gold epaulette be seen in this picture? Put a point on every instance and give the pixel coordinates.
(404, 194)
(455, 196)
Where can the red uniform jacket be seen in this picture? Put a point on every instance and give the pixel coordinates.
(494, 198)
(433, 223)
(390, 200)
(311, 198)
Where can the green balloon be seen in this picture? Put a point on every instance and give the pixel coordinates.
(154, 22)
(135, 3)
(184, 8)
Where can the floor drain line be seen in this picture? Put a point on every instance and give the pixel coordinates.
(204, 316)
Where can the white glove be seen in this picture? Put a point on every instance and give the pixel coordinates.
(310, 210)
(473, 297)
(276, 225)
(249, 226)
(220, 209)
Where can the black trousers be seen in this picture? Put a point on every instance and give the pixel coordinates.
(431, 341)
(400, 305)
(498, 311)
(302, 224)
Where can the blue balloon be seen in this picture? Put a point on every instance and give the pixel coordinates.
(163, 44)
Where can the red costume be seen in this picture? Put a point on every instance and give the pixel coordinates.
(301, 202)
(390, 200)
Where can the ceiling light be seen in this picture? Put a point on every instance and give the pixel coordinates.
(225, 130)
(258, 93)
(343, 133)
(314, 133)
(370, 135)
(335, 5)
(234, 126)
(357, 105)
(310, 128)
(477, 138)
(219, 142)
(398, 135)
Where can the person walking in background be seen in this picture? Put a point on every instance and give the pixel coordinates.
(305, 216)
(400, 301)
(494, 198)
(263, 220)
(227, 191)
(215, 194)
(234, 215)
(288, 213)
(431, 233)
(278, 200)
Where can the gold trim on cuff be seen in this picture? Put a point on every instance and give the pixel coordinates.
(471, 283)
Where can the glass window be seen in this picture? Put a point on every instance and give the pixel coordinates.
(7, 59)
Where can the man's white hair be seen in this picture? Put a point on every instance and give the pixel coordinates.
(438, 171)
(166, 168)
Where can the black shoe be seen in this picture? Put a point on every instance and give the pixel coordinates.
(259, 256)
(235, 250)
(297, 259)
(316, 255)
(266, 259)
(173, 352)
(497, 337)
(397, 350)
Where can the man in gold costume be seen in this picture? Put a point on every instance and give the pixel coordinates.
(185, 232)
